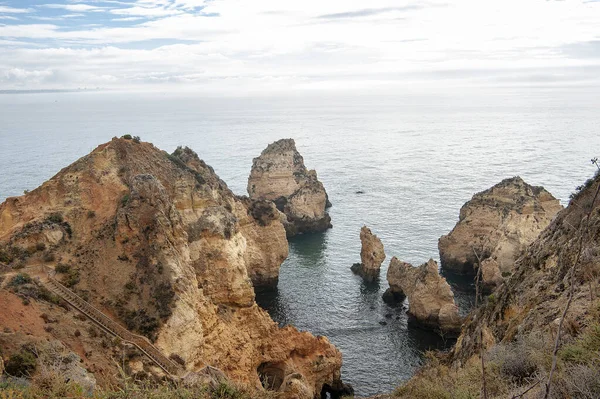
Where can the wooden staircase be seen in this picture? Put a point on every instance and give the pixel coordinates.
(112, 327)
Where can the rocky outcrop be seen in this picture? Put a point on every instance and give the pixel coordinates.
(159, 242)
(531, 301)
(430, 299)
(263, 227)
(279, 175)
(372, 255)
(497, 224)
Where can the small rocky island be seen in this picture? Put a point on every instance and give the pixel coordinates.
(497, 225)
(279, 175)
(431, 301)
(372, 255)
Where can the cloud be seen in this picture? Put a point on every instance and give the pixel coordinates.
(12, 10)
(75, 7)
(367, 12)
(309, 45)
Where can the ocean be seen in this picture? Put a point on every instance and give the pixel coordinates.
(416, 159)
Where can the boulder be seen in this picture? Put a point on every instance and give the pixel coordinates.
(372, 255)
(279, 175)
(498, 223)
(431, 301)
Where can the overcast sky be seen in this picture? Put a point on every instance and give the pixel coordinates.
(265, 46)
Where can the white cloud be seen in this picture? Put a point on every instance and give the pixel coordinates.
(284, 45)
(13, 10)
(75, 7)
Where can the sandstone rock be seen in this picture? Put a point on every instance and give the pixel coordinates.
(498, 223)
(267, 247)
(371, 255)
(169, 251)
(431, 301)
(525, 307)
(279, 175)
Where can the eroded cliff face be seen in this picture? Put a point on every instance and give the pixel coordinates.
(532, 300)
(430, 298)
(497, 224)
(159, 242)
(372, 255)
(279, 175)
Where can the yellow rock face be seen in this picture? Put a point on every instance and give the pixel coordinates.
(279, 175)
(498, 224)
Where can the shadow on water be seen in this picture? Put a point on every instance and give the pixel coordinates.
(425, 340)
(308, 249)
(463, 287)
(274, 304)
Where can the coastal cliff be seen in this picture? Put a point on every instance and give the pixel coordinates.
(497, 225)
(515, 328)
(160, 243)
(279, 175)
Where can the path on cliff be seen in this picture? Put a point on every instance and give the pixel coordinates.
(102, 320)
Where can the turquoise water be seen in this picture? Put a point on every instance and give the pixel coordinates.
(417, 159)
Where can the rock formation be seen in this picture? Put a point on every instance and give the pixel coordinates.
(279, 175)
(534, 297)
(371, 255)
(497, 224)
(430, 299)
(159, 242)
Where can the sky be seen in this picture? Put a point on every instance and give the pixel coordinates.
(281, 46)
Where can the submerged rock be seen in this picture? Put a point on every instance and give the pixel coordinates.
(498, 224)
(371, 255)
(279, 175)
(431, 301)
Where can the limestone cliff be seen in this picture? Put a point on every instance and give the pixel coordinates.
(372, 255)
(498, 224)
(159, 242)
(279, 175)
(430, 299)
(533, 298)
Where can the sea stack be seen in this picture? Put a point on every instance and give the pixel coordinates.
(431, 301)
(372, 255)
(497, 224)
(279, 175)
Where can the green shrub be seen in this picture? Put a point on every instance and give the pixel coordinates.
(20, 279)
(72, 278)
(55, 217)
(21, 364)
(136, 139)
(125, 199)
(126, 137)
(62, 268)
(91, 214)
(585, 349)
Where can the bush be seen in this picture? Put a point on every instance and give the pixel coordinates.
(55, 217)
(21, 364)
(91, 214)
(62, 268)
(20, 279)
(136, 139)
(126, 137)
(49, 257)
(125, 199)
(72, 278)
(585, 349)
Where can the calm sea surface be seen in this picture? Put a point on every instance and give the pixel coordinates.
(417, 160)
